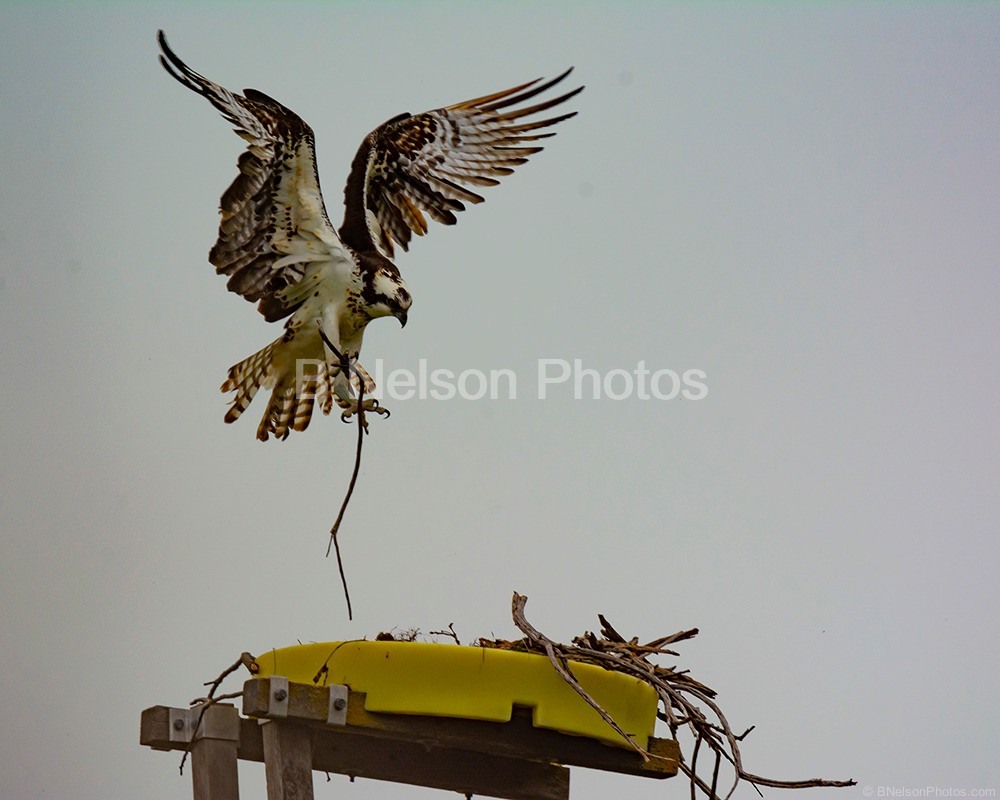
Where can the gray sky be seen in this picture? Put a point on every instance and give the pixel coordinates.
(799, 200)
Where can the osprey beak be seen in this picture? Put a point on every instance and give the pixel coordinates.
(401, 316)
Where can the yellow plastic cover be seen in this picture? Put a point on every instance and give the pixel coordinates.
(472, 683)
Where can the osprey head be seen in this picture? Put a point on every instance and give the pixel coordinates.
(388, 295)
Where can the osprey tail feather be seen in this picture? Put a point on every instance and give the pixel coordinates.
(295, 380)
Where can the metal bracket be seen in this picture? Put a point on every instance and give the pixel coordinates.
(218, 722)
(277, 701)
(337, 710)
(181, 724)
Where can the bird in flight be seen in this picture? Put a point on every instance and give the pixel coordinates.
(278, 247)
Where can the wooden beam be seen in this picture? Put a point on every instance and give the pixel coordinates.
(465, 772)
(417, 764)
(517, 739)
(154, 728)
(386, 759)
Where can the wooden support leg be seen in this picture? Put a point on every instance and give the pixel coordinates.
(214, 753)
(288, 761)
(214, 771)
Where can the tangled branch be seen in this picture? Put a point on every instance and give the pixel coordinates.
(682, 698)
(245, 660)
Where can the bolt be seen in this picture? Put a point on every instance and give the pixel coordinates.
(280, 695)
(178, 724)
(340, 704)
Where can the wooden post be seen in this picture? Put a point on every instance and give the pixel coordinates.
(213, 739)
(214, 769)
(288, 761)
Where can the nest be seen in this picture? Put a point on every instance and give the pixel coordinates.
(686, 705)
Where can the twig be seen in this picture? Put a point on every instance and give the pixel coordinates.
(810, 783)
(346, 368)
(745, 733)
(450, 632)
(694, 765)
(517, 610)
(213, 700)
(715, 774)
(245, 660)
(682, 698)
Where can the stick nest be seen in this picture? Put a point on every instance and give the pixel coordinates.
(686, 705)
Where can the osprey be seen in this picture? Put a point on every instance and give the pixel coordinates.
(279, 249)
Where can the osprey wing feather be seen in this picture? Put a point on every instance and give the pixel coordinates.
(273, 220)
(416, 164)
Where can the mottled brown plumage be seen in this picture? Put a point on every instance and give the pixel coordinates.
(415, 164)
(278, 248)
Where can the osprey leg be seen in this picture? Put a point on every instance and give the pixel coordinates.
(350, 372)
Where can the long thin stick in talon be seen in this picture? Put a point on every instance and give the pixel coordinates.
(354, 475)
(345, 362)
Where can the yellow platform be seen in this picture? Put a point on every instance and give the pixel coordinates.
(472, 683)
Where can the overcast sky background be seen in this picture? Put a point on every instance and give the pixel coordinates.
(800, 200)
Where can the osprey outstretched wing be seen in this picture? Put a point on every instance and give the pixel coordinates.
(274, 221)
(413, 164)
(279, 249)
